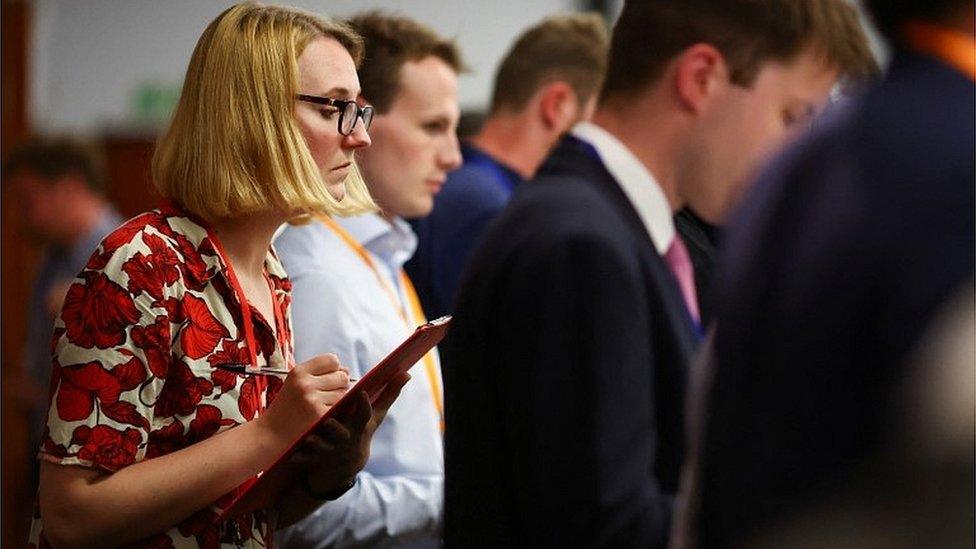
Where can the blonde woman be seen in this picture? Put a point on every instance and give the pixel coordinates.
(167, 383)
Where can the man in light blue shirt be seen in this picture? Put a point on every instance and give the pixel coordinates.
(351, 297)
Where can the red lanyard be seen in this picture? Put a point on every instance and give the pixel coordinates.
(246, 317)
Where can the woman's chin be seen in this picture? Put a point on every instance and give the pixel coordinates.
(337, 190)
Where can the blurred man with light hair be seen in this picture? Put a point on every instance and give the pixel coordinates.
(546, 83)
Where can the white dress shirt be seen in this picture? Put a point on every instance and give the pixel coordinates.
(635, 180)
(339, 306)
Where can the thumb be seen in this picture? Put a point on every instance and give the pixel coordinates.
(390, 394)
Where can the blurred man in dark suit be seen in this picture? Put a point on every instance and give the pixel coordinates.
(848, 247)
(574, 325)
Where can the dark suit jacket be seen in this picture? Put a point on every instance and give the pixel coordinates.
(567, 359)
(849, 245)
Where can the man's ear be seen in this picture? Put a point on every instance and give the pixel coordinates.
(700, 73)
(558, 106)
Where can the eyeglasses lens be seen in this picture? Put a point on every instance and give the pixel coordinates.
(367, 117)
(349, 112)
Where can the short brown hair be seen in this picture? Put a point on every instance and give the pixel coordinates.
(391, 41)
(571, 48)
(52, 158)
(650, 33)
(234, 147)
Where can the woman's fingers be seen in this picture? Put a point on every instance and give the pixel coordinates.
(301, 457)
(334, 431)
(321, 364)
(391, 392)
(355, 422)
(386, 399)
(337, 380)
(320, 445)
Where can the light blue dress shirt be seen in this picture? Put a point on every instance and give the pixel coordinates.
(339, 306)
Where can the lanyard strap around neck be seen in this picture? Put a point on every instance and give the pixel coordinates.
(951, 46)
(247, 317)
(430, 366)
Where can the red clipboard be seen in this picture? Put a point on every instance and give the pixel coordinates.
(257, 493)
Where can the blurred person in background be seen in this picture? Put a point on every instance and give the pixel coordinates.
(352, 297)
(174, 380)
(574, 327)
(849, 246)
(546, 83)
(917, 492)
(703, 239)
(58, 185)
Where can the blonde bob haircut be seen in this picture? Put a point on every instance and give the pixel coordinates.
(233, 147)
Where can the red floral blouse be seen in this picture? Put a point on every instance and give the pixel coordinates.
(139, 351)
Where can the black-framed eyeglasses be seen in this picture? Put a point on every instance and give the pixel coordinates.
(349, 111)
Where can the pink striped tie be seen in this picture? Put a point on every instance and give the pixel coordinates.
(680, 264)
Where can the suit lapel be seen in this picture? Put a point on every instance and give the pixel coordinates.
(578, 159)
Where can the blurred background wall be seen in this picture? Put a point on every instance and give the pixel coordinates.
(110, 71)
(100, 65)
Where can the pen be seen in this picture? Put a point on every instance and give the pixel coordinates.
(266, 371)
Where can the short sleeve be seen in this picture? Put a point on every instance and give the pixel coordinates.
(111, 352)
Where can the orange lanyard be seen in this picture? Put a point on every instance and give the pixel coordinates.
(951, 46)
(430, 366)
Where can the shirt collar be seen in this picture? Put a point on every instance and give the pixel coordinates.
(473, 155)
(393, 243)
(635, 180)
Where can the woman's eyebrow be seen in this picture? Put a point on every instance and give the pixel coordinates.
(340, 92)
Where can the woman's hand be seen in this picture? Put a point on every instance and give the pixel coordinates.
(339, 449)
(309, 390)
(84, 506)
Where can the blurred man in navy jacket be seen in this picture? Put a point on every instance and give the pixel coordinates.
(848, 247)
(565, 391)
(547, 83)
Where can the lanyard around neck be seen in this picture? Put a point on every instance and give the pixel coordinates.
(246, 316)
(430, 366)
(953, 47)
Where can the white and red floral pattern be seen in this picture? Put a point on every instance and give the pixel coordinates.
(137, 349)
